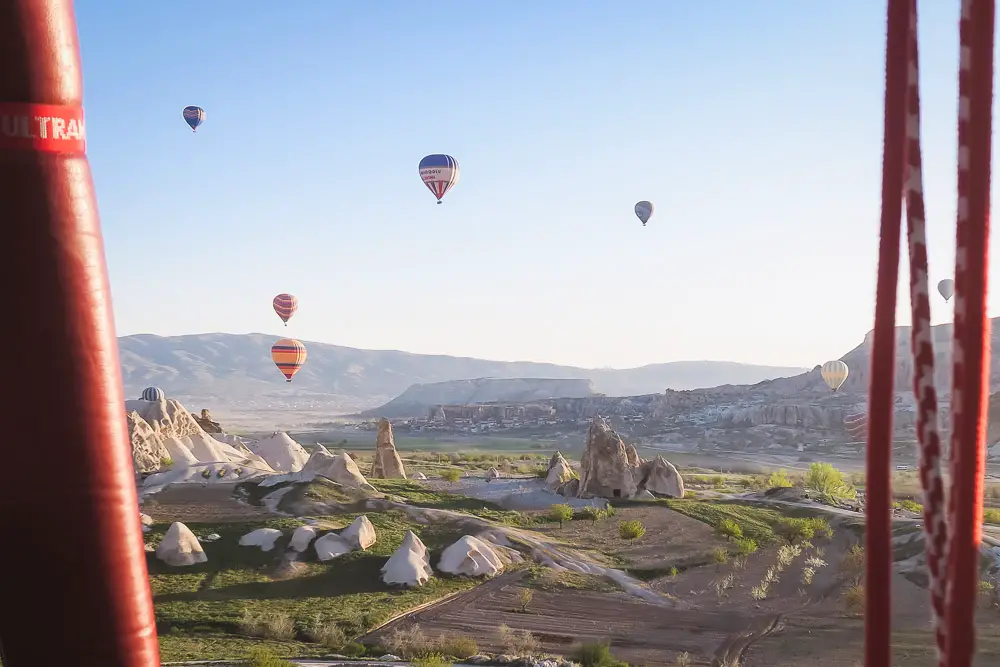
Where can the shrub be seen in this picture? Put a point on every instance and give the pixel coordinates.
(794, 530)
(166, 462)
(328, 634)
(561, 513)
(451, 475)
(458, 646)
(825, 479)
(408, 643)
(991, 515)
(911, 506)
(807, 575)
(745, 546)
(631, 530)
(682, 660)
(719, 555)
(729, 529)
(593, 513)
(431, 660)
(786, 554)
(261, 656)
(779, 479)
(672, 571)
(852, 565)
(595, 654)
(610, 510)
(354, 650)
(820, 527)
(759, 592)
(854, 598)
(269, 625)
(518, 642)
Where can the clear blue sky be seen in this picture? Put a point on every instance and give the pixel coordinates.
(754, 127)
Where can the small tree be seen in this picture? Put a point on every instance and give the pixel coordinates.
(720, 555)
(561, 513)
(794, 530)
(451, 475)
(593, 513)
(826, 479)
(779, 479)
(729, 529)
(746, 546)
(524, 598)
(631, 530)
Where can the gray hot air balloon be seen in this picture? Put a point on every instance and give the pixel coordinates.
(644, 211)
(947, 288)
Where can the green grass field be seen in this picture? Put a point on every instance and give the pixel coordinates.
(200, 609)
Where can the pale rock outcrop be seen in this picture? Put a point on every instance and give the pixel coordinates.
(418, 475)
(164, 434)
(470, 557)
(340, 468)
(559, 472)
(330, 546)
(492, 474)
(360, 534)
(179, 547)
(409, 564)
(146, 521)
(262, 537)
(660, 477)
(302, 538)
(605, 469)
(281, 452)
(633, 456)
(387, 464)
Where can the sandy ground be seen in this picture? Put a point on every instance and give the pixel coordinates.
(797, 624)
(211, 503)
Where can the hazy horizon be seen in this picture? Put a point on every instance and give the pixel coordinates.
(756, 131)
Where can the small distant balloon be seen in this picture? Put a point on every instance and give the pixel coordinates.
(439, 173)
(152, 394)
(194, 116)
(644, 210)
(834, 373)
(285, 306)
(947, 288)
(288, 355)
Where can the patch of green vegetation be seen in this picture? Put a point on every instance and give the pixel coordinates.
(757, 523)
(421, 496)
(829, 481)
(991, 515)
(200, 609)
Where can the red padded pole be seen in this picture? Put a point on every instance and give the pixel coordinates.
(72, 568)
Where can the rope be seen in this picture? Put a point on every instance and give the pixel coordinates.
(970, 379)
(878, 552)
(922, 349)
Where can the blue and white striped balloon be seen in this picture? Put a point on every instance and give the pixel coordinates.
(152, 394)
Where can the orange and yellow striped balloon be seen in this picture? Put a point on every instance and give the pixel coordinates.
(288, 355)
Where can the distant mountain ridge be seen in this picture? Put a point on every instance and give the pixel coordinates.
(418, 398)
(235, 370)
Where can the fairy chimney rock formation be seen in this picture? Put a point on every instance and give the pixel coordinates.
(559, 471)
(387, 464)
(605, 470)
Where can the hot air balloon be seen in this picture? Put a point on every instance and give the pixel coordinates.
(644, 210)
(152, 394)
(288, 355)
(194, 116)
(439, 173)
(285, 306)
(834, 373)
(947, 288)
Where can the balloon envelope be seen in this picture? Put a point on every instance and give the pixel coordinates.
(152, 394)
(834, 373)
(947, 288)
(644, 210)
(439, 173)
(285, 306)
(194, 116)
(288, 355)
